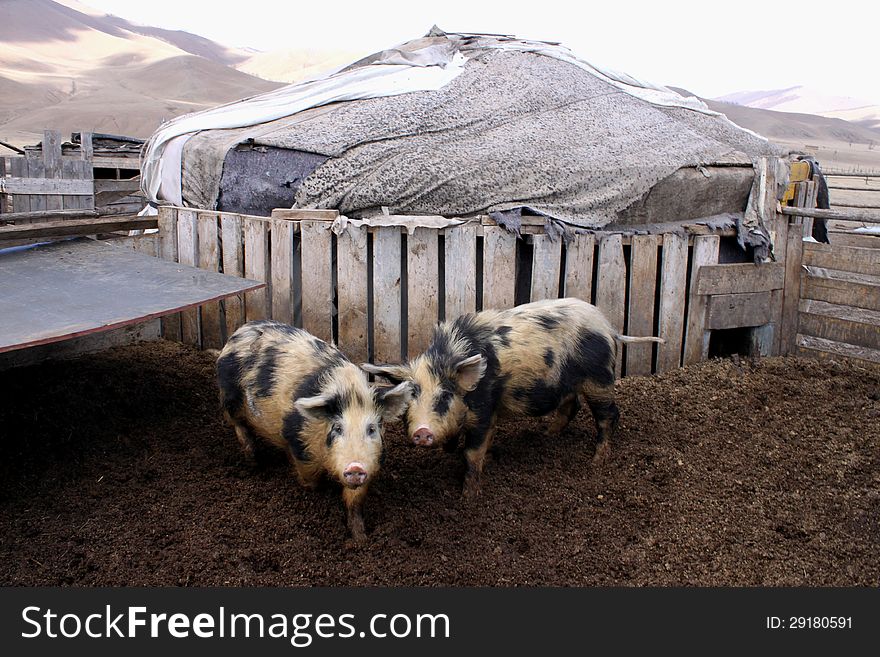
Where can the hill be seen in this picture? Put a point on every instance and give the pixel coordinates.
(67, 67)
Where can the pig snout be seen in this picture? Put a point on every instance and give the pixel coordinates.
(423, 437)
(355, 474)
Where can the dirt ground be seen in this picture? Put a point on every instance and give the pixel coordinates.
(116, 469)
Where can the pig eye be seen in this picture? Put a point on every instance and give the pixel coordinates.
(372, 430)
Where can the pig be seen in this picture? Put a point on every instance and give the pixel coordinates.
(529, 360)
(305, 397)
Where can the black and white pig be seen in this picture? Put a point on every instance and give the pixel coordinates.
(302, 395)
(529, 360)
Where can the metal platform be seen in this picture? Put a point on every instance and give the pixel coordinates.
(63, 290)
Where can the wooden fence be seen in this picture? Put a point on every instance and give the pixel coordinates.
(377, 292)
(48, 184)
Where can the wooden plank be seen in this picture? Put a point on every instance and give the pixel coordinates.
(460, 270)
(21, 203)
(52, 164)
(848, 313)
(499, 268)
(546, 262)
(257, 267)
(855, 240)
(811, 345)
(188, 254)
(611, 286)
(791, 291)
(86, 149)
(46, 186)
(740, 277)
(642, 288)
(696, 338)
(209, 259)
(352, 283)
(76, 227)
(726, 311)
(282, 270)
(36, 169)
(167, 221)
(845, 258)
(67, 289)
(387, 295)
(821, 272)
(579, 267)
(232, 240)
(853, 214)
(132, 186)
(422, 289)
(840, 330)
(673, 279)
(299, 214)
(840, 292)
(3, 197)
(317, 278)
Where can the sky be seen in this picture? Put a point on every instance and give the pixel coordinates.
(710, 48)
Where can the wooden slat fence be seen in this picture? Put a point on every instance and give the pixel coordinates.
(377, 292)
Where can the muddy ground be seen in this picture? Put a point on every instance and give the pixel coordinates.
(116, 469)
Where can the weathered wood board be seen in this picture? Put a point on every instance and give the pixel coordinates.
(696, 338)
(387, 295)
(460, 253)
(579, 267)
(642, 290)
(422, 289)
(209, 259)
(257, 304)
(67, 289)
(233, 264)
(673, 279)
(611, 287)
(352, 282)
(737, 310)
(499, 267)
(188, 254)
(317, 281)
(741, 277)
(546, 261)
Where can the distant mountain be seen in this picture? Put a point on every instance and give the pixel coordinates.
(804, 100)
(68, 67)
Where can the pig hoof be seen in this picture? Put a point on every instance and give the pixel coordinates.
(471, 490)
(603, 452)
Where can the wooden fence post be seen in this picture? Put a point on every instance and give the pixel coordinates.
(611, 287)
(168, 251)
(352, 283)
(672, 290)
(642, 284)
(696, 340)
(387, 301)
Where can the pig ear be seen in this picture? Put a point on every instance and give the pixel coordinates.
(314, 408)
(393, 401)
(394, 373)
(469, 372)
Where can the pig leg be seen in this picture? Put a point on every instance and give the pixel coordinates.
(565, 413)
(354, 507)
(245, 439)
(476, 445)
(606, 415)
(307, 473)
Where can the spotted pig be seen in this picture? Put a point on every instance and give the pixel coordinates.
(303, 396)
(530, 360)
